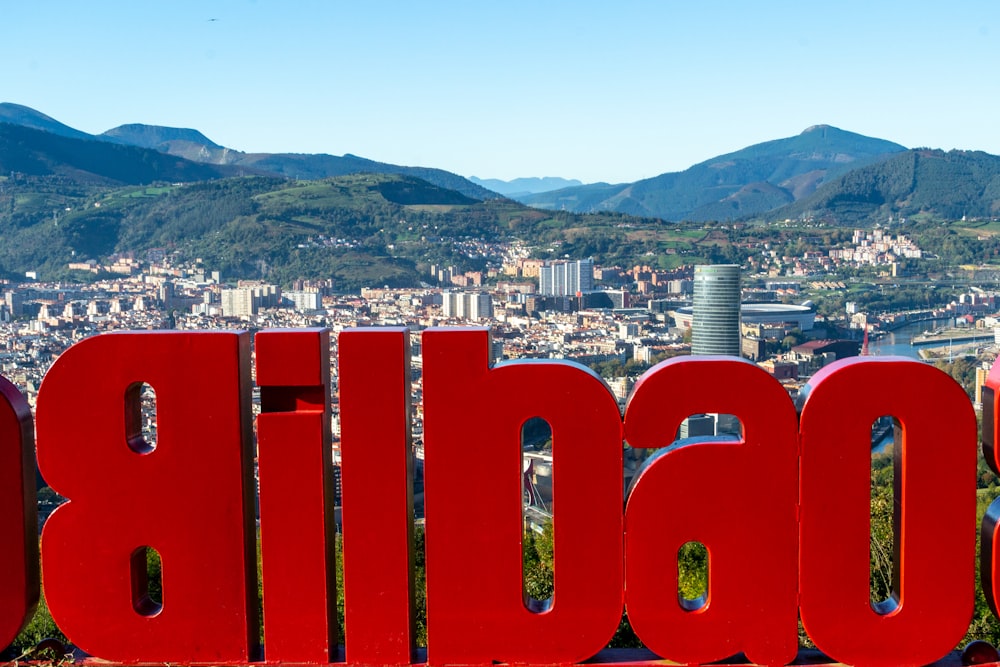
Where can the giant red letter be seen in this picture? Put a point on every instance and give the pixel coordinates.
(190, 497)
(473, 416)
(936, 495)
(18, 514)
(989, 536)
(295, 470)
(377, 483)
(736, 497)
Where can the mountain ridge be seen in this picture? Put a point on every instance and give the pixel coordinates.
(704, 191)
(18, 114)
(823, 172)
(38, 153)
(526, 185)
(194, 146)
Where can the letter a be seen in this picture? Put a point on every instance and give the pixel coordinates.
(737, 498)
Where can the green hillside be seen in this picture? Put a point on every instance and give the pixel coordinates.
(360, 230)
(244, 226)
(918, 183)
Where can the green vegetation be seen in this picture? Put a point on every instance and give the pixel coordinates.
(614, 368)
(360, 229)
(40, 628)
(958, 243)
(919, 184)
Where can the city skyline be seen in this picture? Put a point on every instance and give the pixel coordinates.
(588, 91)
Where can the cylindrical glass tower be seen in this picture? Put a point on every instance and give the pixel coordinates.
(715, 326)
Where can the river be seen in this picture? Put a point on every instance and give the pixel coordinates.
(898, 342)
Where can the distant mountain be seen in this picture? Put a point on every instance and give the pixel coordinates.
(183, 142)
(520, 187)
(194, 146)
(747, 182)
(314, 166)
(32, 152)
(940, 184)
(17, 114)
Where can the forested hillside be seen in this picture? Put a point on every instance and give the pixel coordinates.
(930, 183)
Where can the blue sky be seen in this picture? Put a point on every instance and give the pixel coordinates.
(598, 91)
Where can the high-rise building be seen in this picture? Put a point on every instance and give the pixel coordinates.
(715, 325)
(303, 300)
(15, 302)
(246, 300)
(981, 374)
(466, 305)
(566, 278)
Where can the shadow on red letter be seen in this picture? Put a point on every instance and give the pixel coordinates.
(935, 478)
(19, 514)
(189, 497)
(736, 497)
(477, 611)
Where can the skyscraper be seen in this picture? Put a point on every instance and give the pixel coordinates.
(566, 278)
(715, 326)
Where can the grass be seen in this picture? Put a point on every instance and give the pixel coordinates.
(342, 192)
(434, 208)
(147, 192)
(675, 237)
(318, 194)
(977, 228)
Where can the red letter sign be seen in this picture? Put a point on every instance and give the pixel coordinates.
(737, 498)
(190, 497)
(936, 501)
(476, 606)
(18, 514)
(377, 483)
(989, 536)
(295, 469)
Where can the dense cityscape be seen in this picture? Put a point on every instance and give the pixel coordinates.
(617, 320)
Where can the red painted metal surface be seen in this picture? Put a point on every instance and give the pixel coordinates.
(377, 486)
(935, 484)
(18, 514)
(737, 498)
(989, 533)
(476, 607)
(295, 472)
(190, 498)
